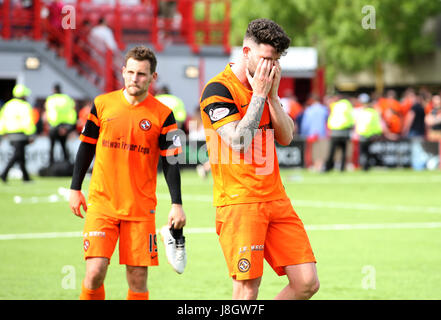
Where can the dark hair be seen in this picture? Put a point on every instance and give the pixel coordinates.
(142, 53)
(57, 88)
(268, 32)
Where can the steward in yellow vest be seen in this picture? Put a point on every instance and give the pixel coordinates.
(16, 123)
(62, 117)
(340, 123)
(368, 127)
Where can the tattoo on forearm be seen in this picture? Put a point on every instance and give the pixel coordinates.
(251, 120)
(241, 136)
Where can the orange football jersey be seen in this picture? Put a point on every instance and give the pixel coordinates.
(247, 177)
(129, 140)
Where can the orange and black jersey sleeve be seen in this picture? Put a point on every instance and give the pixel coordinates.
(91, 129)
(218, 103)
(86, 150)
(169, 140)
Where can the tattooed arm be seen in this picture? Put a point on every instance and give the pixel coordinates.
(240, 134)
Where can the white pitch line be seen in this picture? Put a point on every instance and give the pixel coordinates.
(63, 196)
(300, 179)
(375, 226)
(44, 235)
(317, 227)
(364, 206)
(329, 204)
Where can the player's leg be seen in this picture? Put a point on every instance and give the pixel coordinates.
(11, 161)
(288, 252)
(246, 289)
(53, 134)
(137, 281)
(329, 164)
(242, 230)
(63, 139)
(303, 282)
(96, 269)
(21, 159)
(138, 250)
(100, 237)
(343, 146)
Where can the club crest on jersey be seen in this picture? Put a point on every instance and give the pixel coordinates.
(145, 124)
(86, 244)
(244, 265)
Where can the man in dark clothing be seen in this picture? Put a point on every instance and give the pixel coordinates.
(414, 129)
(414, 125)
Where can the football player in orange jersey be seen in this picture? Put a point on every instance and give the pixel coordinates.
(255, 220)
(127, 130)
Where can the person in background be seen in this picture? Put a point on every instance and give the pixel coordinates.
(413, 124)
(101, 36)
(414, 128)
(292, 107)
(391, 112)
(83, 114)
(340, 122)
(103, 40)
(61, 115)
(175, 104)
(17, 123)
(55, 18)
(313, 129)
(196, 132)
(433, 120)
(368, 128)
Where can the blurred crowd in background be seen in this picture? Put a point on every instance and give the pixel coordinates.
(325, 125)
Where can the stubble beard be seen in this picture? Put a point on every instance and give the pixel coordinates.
(136, 91)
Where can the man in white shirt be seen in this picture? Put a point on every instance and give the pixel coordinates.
(101, 36)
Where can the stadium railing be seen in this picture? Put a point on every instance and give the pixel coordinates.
(130, 23)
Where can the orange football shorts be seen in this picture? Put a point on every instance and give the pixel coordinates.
(137, 239)
(249, 233)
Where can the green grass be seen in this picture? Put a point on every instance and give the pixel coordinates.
(391, 258)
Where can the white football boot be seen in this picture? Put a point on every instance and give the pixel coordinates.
(174, 250)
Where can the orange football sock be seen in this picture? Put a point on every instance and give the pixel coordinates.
(131, 295)
(89, 294)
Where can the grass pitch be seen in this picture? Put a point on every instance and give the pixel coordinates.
(376, 235)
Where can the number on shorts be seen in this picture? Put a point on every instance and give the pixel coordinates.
(152, 243)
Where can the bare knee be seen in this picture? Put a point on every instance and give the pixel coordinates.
(312, 287)
(137, 278)
(246, 289)
(306, 288)
(96, 269)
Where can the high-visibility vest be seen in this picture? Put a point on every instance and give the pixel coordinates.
(174, 103)
(368, 123)
(340, 117)
(16, 117)
(60, 108)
